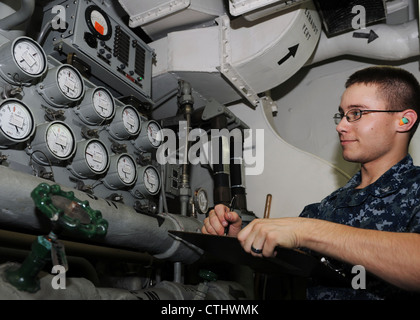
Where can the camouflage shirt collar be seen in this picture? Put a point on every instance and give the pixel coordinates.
(388, 183)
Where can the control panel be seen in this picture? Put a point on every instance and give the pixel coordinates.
(94, 35)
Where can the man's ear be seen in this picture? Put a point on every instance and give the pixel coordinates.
(407, 120)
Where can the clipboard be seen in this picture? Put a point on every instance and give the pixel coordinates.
(287, 261)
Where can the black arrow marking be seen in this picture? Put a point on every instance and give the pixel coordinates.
(370, 36)
(291, 53)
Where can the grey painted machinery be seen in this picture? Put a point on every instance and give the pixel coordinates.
(76, 96)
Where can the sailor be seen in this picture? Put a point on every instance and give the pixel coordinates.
(374, 220)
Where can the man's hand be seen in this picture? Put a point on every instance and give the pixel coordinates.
(262, 236)
(219, 219)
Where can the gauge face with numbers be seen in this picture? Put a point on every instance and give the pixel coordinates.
(29, 57)
(131, 120)
(151, 180)
(60, 140)
(154, 133)
(70, 82)
(103, 103)
(96, 156)
(16, 121)
(126, 168)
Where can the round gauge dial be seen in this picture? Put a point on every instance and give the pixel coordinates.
(148, 182)
(60, 140)
(150, 136)
(98, 22)
(201, 201)
(151, 180)
(29, 56)
(126, 169)
(122, 172)
(131, 120)
(70, 82)
(126, 123)
(91, 159)
(23, 61)
(97, 106)
(154, 133)
(96, 156)
(16, 120)
(62, 86)
(103, 103)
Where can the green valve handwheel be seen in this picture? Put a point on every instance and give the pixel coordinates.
(68, 212)
(65, 212)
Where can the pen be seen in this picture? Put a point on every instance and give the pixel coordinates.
(231, 208)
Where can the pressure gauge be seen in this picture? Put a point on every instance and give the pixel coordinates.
(98, 22)
(150, 136)
(148, 182)
(122, 172)
(53, 143)
(22, 61)
(126, 123)
(62, 86)
(91, 159)
(16, 122)
(97, 107)
(201, 201)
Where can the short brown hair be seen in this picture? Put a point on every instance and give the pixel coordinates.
(395, 85)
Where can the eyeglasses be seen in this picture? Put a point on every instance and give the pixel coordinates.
(355, 114)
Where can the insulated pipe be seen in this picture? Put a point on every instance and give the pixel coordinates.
(127, 228)
(221, 170)
(23, 14)
(185, 102)
(387, 42)
(237, 169)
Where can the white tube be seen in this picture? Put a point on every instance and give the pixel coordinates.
(393, 42)
(20, 16)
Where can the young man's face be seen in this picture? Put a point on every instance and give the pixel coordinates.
(372, 137)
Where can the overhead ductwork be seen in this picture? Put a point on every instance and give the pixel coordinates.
(381, 42)
(239, 59)
(158, 17)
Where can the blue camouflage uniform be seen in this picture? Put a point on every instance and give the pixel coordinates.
(392, 203)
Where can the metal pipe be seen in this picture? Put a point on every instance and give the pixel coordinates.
(127, 228)
(237, 175)
(185, 103)
(221, 171)
(24, 13)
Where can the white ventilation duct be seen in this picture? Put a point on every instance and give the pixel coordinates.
(255, 9)
(237, 59)
(387, 42)
(158, 17)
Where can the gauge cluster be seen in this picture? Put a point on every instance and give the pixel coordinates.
(58, 125)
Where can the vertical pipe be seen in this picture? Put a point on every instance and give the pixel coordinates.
(221, 171)
(237, 176)
(185, 103)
